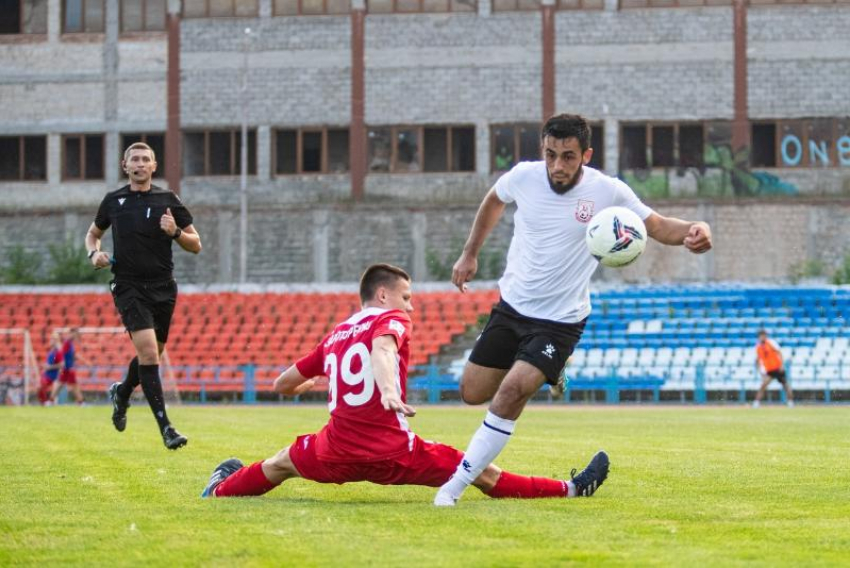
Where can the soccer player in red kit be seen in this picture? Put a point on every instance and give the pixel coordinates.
(367, 437)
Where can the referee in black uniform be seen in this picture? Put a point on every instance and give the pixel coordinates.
(145, 220)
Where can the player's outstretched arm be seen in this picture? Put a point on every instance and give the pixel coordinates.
(292, 383)
(694, 235)
(488, 215)
(383, 359)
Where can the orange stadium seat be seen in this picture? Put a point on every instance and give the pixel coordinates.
(228, 328)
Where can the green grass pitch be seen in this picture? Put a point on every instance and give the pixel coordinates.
(715, 486)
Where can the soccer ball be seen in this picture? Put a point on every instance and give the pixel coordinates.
(616, 236)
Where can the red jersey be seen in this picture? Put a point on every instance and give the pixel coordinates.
(360, 429)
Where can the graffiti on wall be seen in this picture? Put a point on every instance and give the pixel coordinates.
(723, 174)
(709, 168)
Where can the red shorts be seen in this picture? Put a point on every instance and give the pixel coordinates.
(429, 464)
(68, 376)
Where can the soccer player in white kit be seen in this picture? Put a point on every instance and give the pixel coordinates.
(545, 289)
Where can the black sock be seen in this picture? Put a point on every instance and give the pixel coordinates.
(131, 381)
(152, 387)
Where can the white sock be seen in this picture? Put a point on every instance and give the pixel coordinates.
(486, 444)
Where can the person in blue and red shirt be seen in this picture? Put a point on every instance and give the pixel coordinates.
(68, 373)
(368, 437)
(52, 365)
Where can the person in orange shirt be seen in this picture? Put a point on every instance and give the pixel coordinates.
(771, 366)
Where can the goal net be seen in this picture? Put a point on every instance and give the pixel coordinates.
(102, 356)
(19, 372)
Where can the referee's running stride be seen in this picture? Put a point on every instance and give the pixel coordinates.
(145, 219)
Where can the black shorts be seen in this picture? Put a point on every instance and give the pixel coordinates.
(510, 336)
(779, 375)
(145, 305)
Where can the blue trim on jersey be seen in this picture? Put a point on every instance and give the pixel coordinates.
(52, 359)
(506, 433)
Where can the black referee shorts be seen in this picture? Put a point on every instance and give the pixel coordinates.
(145, 305)
(510, 336)
(779, 375)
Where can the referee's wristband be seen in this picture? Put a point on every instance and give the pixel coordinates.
(177, 233)
(92, 253)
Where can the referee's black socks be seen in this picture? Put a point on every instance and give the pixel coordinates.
(131, 381)
(152, 387)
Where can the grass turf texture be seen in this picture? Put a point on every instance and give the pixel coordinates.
(688, 486)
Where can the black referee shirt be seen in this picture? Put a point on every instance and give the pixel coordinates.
(142, 248)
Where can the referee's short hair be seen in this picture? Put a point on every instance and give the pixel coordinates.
(378, 275)
(139, 146)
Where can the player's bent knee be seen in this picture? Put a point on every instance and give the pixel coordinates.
(471, 395)
(279, 467)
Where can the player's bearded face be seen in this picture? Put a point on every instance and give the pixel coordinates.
(564, 160)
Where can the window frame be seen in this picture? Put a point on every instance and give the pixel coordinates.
(21, 22)
(145, 29)
(22, 159)
(537, 127)
(83, 31)
(420, 138)
(235, 150)
(560, 5)
(515, 126)
(231, 15)
(83, 174)
(299, 150)
(451, 4)
(299, 10)
(649, 127)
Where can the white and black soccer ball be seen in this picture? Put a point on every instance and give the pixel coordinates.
(616, 236)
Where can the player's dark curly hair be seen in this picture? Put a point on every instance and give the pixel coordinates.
(563, 126)
(378, 275)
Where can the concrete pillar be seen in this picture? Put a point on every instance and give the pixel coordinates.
(54, 20)
(482, 148)
(72, 231)
(321, 234)
(54, 160)
(418, 231)
(264, 153)
(226, 250)
(265, 9)
(547, 17)
(173, 151)
(612, 146)
(111, 157)
(357, 129)
(485, 8)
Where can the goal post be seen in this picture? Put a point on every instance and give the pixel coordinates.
(19, 371)
(103, 354)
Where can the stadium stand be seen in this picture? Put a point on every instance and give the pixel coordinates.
(702, 339)
(214, 336)
(676, 340)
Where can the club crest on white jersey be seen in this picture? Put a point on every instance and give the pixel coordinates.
(584, 210)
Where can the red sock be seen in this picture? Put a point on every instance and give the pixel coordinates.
(513, 486)
(246, 482)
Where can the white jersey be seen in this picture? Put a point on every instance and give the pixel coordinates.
(548, 269)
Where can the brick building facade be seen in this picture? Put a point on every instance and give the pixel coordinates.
(449, 99)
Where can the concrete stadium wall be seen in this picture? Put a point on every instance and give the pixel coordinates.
(477, 69)
(754, 241)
